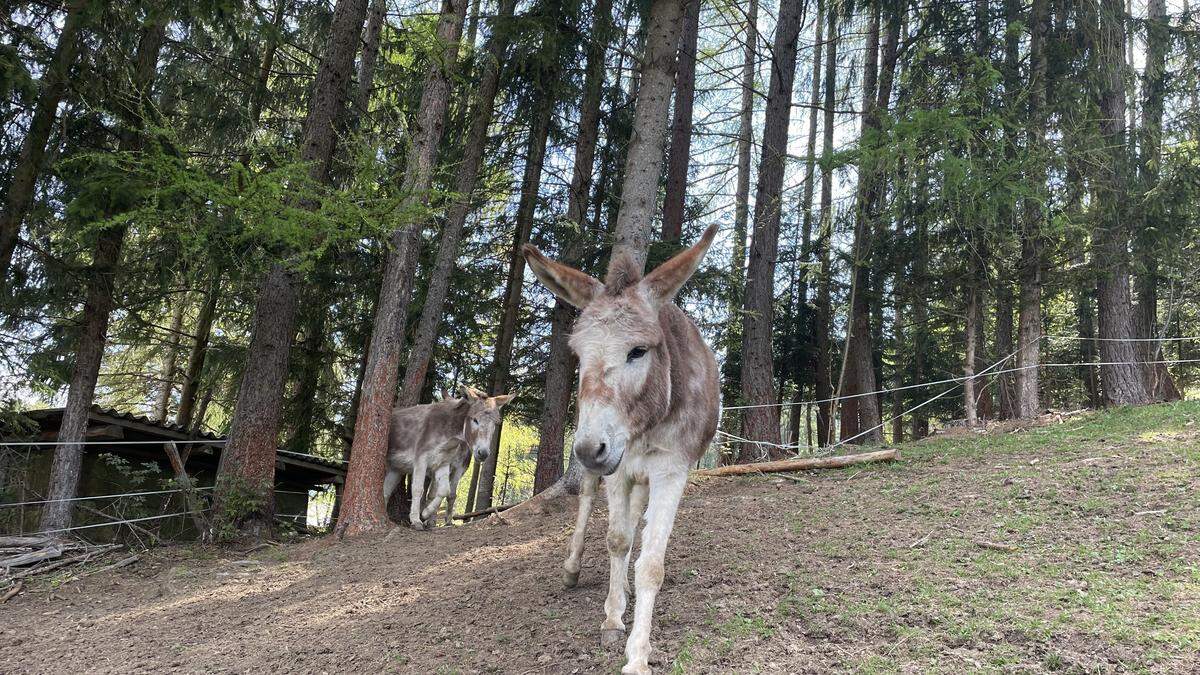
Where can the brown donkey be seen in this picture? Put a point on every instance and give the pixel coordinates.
(648, 407)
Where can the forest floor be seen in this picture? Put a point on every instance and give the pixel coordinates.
(1070, 546)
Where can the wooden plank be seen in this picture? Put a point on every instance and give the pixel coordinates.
(185, 484)
(802, 464)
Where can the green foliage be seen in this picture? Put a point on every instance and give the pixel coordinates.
(237, 501)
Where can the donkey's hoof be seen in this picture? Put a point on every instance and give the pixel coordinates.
(632, 669)
(611, 636)
(570, 579)
(418, 525)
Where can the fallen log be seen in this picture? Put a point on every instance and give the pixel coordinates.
(23, 542)
(483, 512)
(802, 464)
(33, 557)
(12, 592)
(82, 558)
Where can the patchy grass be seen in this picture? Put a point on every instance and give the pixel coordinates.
(1101, 512)
(1068, 547)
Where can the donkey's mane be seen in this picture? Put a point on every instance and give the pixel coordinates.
(623, 272)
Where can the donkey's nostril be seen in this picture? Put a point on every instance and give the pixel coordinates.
(601, 450)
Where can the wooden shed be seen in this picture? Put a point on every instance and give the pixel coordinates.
(126, 453)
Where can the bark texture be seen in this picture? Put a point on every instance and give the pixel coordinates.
(421, 354)
(681, 127)
(644, 158)
(248, 463)
(98, 303)
(861, 415)
(1030, 266)
(824, 307)
(1124, 381)
(758, 383)
(1159, 383)
(362, 507)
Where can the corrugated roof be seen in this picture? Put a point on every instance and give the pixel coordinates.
(180, 429)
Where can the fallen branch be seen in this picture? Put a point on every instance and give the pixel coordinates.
(120, 563)
(23, 542)
(991, 545)
(33, 557)
(81, 558)
(802, 464)
(12, 592)
(923, 540)
(483, 512)
(189, 489)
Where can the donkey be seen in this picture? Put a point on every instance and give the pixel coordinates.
(648, 407)
(437, 439)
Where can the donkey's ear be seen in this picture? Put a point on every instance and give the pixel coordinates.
(661, 285)
(565, 282)
(500, 401)
(470, 392)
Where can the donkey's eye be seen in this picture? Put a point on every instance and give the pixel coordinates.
(635, 353)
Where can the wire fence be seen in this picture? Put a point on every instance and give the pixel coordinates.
(991, 372)
(727, 438)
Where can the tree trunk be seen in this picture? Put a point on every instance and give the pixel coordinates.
(1006, 395)
(163, 405)
(363, 506)
(857, 362)
(644, 158)
(245, 498)
(421, 354)
(248, 463)
(741, 197)
(198, 354)
(810, 161)
(920, 305)
(535, 156)
(33, 148)
(1030, 267)
(1159, 383)
(758, 386)
(560, 366)
(98, 304)
(824, 306)
(369, 59)
(681, 128)
(969, 360)
(1123, 379)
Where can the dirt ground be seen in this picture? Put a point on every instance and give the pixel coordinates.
(1072, 547)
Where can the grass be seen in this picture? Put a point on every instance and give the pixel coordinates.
(1102, 510)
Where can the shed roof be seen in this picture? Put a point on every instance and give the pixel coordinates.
(114, 426)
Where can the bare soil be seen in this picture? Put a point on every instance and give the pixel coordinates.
(1072, 547)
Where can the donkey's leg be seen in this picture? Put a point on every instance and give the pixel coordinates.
(665, 491)
(441, 489)
(418, 493)
(622, 523)
(389, 483)
(587, 497)
(452, 495)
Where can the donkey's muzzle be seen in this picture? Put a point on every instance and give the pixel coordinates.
(598, 456)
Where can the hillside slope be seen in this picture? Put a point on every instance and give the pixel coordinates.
(1072, 546)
